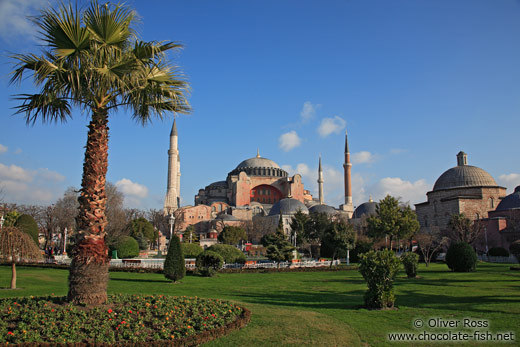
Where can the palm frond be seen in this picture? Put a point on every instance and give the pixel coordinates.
(109, 27)
(48, 106)
(151, 50)
(62, 30)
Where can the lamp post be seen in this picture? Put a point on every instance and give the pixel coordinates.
(2, 221)
(65, 241)
(171, 222)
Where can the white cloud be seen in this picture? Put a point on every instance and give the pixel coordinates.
(331, 125)
(15, 173)
(50, 175)
(289, 141)
(14, 23)
(510, 181)
(3, 148)
(363, 157)
(308, 111)
(22, 186)
(413, 192)
(132, 189)
(18, 151)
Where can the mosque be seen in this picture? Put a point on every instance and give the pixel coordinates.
(256, 187)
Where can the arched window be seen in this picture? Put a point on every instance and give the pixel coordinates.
(491, 203)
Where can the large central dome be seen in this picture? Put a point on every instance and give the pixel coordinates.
(258, 162)
(464, 175)
(258, 166)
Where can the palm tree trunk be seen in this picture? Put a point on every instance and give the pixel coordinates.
(88, 276)
(13, 275)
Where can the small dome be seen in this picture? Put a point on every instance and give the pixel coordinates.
(365, 209)
(288, 206)
(329, 210)
(511, 201)
(218, 184)
(227, 217)
(464, 175)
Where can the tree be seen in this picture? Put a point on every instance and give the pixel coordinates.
(299, 222)
(92, 60)
(190, 235)
(278, 248)
(232, 235)
(463, 229)
(338, 239)
(174, 265)
(10, 218)
(392, 221)
(141, 229)
(28, 225)
(429, 243)
(229, 253)
(15, 245)
(316, 226)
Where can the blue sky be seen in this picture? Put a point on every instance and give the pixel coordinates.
(414, 82)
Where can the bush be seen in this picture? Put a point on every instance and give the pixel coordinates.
(360, 248)
(379, 270)
(27, 224)
(514, 248)
(410, 261)
(191, 250)
(498, 252)
(461, 257)
(230, 254)
(208, 263)
(174, 265)
(126, 247)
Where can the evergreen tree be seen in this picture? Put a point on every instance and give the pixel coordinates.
(174, 265)
(277, 246)
(27, 224)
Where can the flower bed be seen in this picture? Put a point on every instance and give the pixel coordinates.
(124, 319)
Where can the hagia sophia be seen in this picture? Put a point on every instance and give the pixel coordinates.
(258, 188)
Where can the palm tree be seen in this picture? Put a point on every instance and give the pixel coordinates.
(93, 60)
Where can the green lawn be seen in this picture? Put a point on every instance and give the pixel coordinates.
(322, 308)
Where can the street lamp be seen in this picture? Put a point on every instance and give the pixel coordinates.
(2, 221)
(171, 222)
(65, 241)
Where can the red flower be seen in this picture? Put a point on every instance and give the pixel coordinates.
(129, 311)
(10, 333)
(52, 310)
(109, 310)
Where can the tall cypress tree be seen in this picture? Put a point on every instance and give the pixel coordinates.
(174, 265)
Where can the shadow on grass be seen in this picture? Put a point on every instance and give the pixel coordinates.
(317, 300)
(140, 280)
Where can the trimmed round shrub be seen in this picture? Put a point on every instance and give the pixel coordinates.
(231, 254)
(498, 252)
(410, 262)
(174, 265)
(191, 250)
(379, 270)
(208, 263)
(461, 257)
(514, 248)
(126, 247)
(27, 224)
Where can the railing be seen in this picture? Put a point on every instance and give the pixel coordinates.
(506, 260)
(190, 263)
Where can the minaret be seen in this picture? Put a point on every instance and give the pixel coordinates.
(320, 183)
(171, 201)
(348, 206)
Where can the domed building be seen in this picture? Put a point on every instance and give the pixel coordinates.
(462, 189)
(286, 208)
(252, 188)
(502, 227)
(366, 209)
